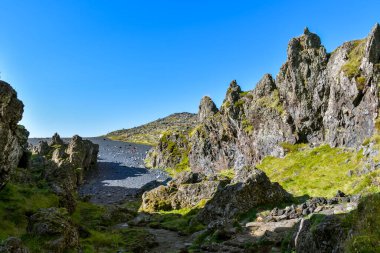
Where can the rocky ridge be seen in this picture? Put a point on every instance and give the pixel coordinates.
(317, 97)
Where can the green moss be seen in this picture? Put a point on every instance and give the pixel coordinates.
(89, 215)
(244, 93)
(228, 173)
(179, 220)
(288, 147)
(272, 101)
(176, 152)
(247, 126)
(352, 66)
(360, 82)
(319, 171)
(239, 103)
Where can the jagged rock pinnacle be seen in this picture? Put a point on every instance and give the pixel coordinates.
(207, 108)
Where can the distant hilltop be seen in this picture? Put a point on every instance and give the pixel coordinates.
(150, 133)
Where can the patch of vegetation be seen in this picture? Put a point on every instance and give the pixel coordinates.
(352, 66)
(176, 152)
(114, 240)
(360, 82)
(179, 220)
(247, 126)
(288, 147)
(244, 93)
(149, 134)
(100, 234)
(320, 171)
(228, 173)
(17, 202)
(239, 103)
(365, 223)
(272, 101)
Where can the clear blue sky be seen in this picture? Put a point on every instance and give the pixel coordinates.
(90, 67)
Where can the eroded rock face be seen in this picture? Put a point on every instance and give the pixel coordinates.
(55, 224)
(316, 98)
(186, 191)
(207, 108)
(82, 153)
(12, 137)
(65, 165)
(250, 189)
(172, 149)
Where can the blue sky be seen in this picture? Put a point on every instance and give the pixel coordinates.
(90, 67)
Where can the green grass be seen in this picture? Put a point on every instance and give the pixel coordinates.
(123, 240)
(17, 201)
(179, 220)
(319, 171)
(352, 66)
(102, 237)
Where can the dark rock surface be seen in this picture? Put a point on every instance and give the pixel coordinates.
(251, 189)
(12, 137)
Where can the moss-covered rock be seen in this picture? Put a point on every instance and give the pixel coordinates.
(54, 227)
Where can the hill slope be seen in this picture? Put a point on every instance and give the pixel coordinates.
(150, 133)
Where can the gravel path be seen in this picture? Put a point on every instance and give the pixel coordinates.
(121, 172)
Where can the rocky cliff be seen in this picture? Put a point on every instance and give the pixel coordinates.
(13, 138)
(317, 97)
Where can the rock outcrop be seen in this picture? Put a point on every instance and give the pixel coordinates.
(54, 224)
(207, 108)
(13, 138)
(317, 97)
(13, 245)
(65, 165)
(186, 191)
(251, 188)
(172, 151)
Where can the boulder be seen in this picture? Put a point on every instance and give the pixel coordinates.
(13, 245)
(187, 191)
(54, 225)
(328, 235)
(250, 189)
(12, 137)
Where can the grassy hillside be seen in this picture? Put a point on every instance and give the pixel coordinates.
(150, 133)
(321, 171)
